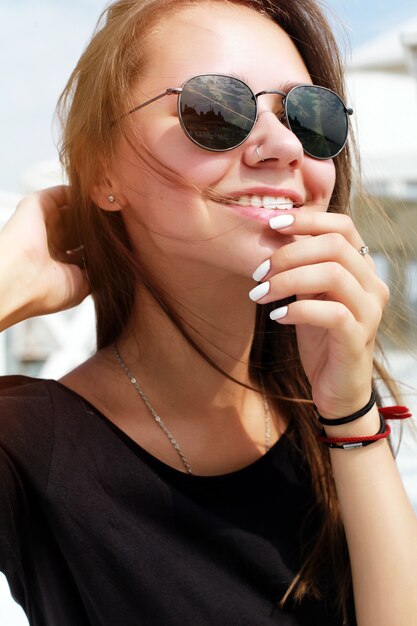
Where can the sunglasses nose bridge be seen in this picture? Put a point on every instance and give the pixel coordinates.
(270, 92)
(273, 109)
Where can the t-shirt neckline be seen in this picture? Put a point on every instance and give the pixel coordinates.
(161, 465)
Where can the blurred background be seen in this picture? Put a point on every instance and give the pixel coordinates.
(40, 43)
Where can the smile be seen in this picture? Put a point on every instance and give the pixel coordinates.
(283, 203)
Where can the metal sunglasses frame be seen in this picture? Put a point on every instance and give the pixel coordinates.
(285, 95)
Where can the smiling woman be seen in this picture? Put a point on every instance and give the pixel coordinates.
(182, 474)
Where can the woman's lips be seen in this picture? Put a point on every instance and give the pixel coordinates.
(260, 214)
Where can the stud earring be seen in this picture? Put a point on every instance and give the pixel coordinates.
(111, 198)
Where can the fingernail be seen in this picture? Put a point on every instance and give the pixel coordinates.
(279, 313)
(259, 291)
(281, 221)
(262, 271)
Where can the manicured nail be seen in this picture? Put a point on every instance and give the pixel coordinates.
(279, 313)
(259, 291)
(281, 221)
(262, 271)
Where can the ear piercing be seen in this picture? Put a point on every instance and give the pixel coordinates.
(258, 155)
(111, 198)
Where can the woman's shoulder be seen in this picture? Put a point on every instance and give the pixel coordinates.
(33, 392)
(26, 427)
(25, 407)
(23, 392)
(25, 399)
(40, 401)
(31, 410)
(40, 420)
(16, 384)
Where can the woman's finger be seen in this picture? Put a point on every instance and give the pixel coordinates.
(331, 316)
(326, 281)
(321, 249)
(319, 223)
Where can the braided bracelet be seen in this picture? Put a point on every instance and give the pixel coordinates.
(350, 443)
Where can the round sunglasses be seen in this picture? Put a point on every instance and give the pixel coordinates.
(219, 112)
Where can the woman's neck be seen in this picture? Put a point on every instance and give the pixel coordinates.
(221, 425)
(223, 330)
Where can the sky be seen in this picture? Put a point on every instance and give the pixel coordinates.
(42, 39)
(365, 19)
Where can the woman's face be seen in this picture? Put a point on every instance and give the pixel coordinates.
(181, 227)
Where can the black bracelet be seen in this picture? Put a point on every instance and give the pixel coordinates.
(350, 418)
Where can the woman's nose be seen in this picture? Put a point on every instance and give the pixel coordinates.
(272, 141)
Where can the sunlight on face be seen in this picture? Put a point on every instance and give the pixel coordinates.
(176, 225)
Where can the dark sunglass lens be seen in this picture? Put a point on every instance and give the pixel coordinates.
(318, 118)
(217, 112)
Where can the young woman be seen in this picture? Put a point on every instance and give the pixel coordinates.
(181, 476)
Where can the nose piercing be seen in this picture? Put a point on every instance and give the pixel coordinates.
(258, 155)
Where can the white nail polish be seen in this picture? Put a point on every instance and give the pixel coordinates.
(259, 291)
(281, 221)
(279, 313)
(262, 271)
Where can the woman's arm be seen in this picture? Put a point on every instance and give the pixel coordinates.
(337, 312)
(35, 276)
(381, 529)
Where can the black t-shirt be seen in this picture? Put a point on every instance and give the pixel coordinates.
(96, 531)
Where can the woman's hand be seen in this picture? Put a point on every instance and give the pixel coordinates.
(37, 276)
(337, 311)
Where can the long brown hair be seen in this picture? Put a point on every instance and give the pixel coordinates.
(99, 91)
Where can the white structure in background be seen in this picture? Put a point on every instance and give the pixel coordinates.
(383, 84)
(382, 87)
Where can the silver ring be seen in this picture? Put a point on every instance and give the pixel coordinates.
(257, 152)
(75, 250)
(363, 250)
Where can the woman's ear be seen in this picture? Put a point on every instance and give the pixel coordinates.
(105, 196)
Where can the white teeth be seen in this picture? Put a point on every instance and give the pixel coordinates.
(286, 205)
(270, 203)
(267, 202)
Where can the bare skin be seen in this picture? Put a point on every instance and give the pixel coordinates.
(36, 280)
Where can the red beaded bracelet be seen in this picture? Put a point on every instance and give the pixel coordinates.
(350, 443)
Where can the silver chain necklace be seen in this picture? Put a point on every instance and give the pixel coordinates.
(166, 431)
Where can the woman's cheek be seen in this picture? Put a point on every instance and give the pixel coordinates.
(169, 145)
(319, 180)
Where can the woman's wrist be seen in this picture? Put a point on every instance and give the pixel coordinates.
(365, 426)
(362, 420)
(16, 285)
